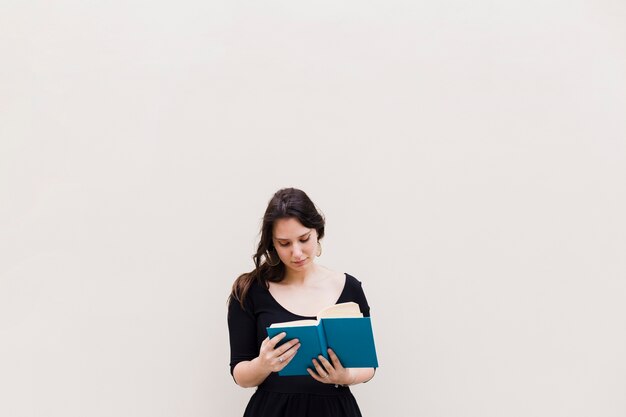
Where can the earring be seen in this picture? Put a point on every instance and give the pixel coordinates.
(268, 259)
(319, 252)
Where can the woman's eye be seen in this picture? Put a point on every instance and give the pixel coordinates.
(283, 244)
(305, 240)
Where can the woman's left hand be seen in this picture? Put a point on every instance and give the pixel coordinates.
(331, 372)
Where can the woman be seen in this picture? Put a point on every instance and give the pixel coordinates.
(287, 284)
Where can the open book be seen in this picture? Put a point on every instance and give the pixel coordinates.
(340, 327)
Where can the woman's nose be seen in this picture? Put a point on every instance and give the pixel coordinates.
(297, 250)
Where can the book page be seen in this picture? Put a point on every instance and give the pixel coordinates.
(342, 310)
(296, 323)
(350, 309)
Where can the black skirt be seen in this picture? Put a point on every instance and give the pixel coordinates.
(278, 404)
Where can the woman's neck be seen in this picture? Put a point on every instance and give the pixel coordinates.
(303, 276)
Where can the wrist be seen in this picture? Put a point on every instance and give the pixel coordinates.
(257, 364)
(351, 379)
(354, 380)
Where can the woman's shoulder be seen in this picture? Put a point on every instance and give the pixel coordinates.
(352, 286)
(247, 287)
(353, 291)
(351, 281)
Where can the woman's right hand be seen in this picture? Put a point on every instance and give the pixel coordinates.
(274, 358)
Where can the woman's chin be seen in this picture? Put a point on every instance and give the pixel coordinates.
(298, 266)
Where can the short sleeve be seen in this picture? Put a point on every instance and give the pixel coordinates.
(354, 292)
(242, 332)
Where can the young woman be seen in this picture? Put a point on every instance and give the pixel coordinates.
(287, 284)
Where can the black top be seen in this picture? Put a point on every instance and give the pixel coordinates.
(248, 330)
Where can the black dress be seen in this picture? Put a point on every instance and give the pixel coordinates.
(286, 396)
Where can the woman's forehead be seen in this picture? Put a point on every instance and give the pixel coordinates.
(291, 228)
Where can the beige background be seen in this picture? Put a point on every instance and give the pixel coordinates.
(470, 157)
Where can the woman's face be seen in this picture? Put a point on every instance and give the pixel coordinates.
(295, 244)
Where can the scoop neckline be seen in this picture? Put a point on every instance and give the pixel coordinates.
(343, 290)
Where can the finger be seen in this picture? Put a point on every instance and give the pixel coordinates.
(320, 371)
(334, 359)
(288, 356)
(265, 341)
(315, 376)
(289, 353)
(327, 366)
(286, 346)
(274, 340)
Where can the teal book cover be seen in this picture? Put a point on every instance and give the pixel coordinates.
(352, 339)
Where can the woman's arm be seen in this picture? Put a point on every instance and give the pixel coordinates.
(271, 359)
(249, 374)
(361, 375)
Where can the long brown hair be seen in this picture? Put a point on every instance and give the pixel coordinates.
(286, 203)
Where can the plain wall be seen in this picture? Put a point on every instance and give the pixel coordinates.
(469, 156)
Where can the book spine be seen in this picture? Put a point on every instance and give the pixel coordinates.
(322, 338)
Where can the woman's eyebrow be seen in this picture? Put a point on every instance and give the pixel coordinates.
(280, 238)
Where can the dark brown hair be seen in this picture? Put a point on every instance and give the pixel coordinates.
(286, 203)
